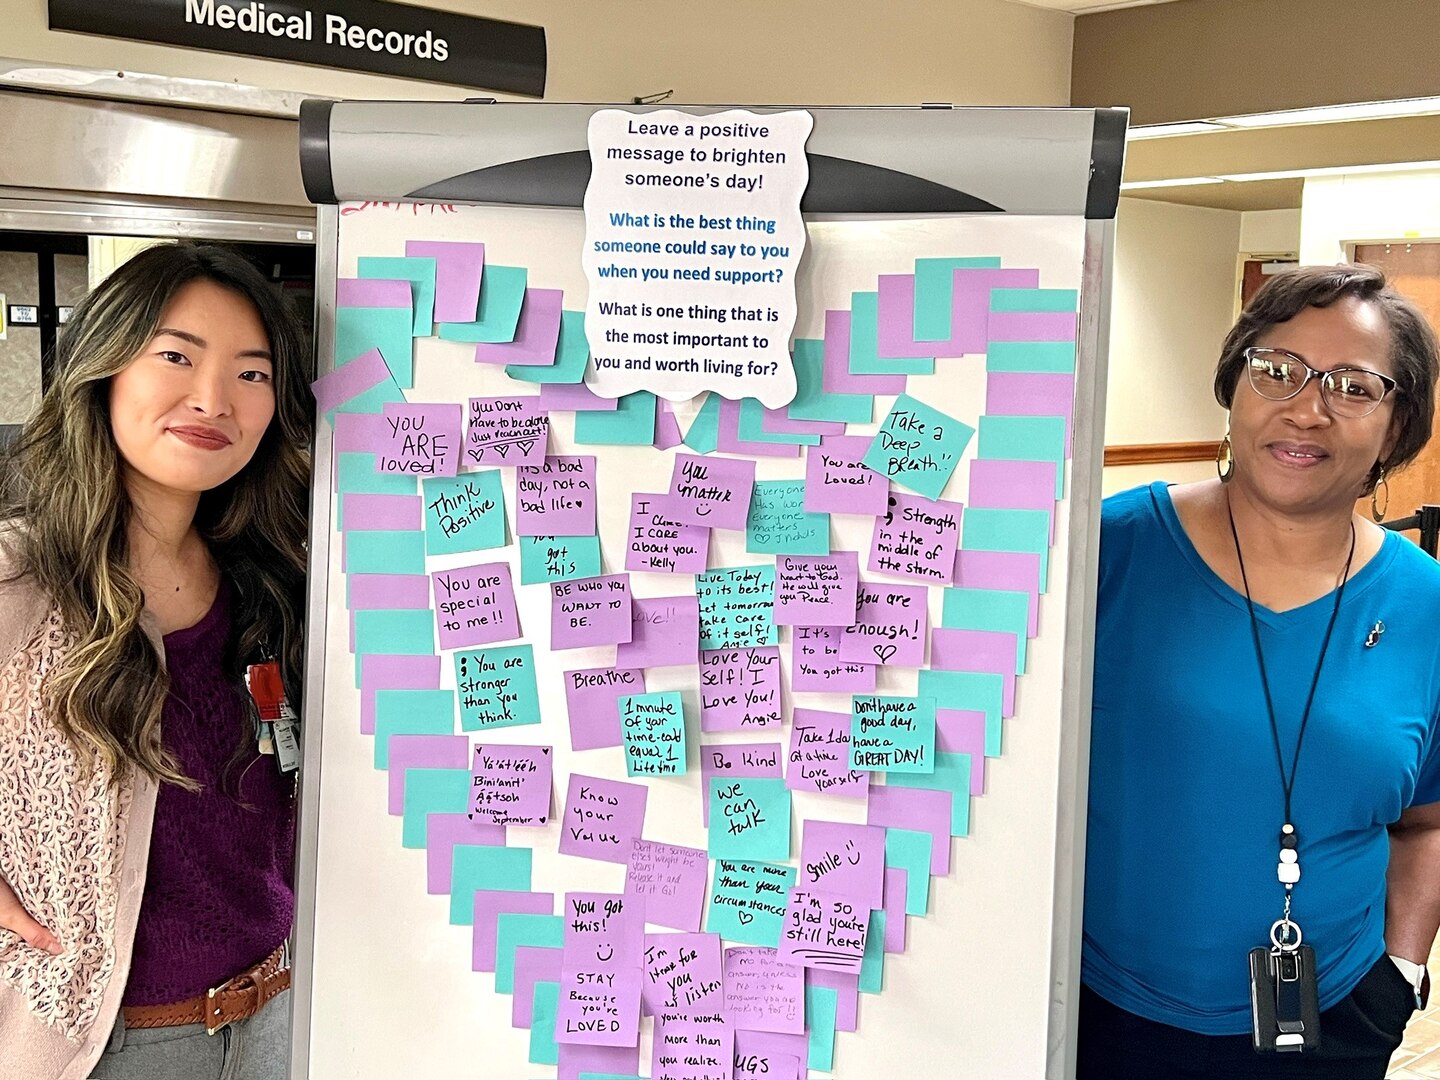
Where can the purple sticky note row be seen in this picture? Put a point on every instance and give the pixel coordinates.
(990, 651)
(574, 397)
(970, 306)
(388, 592)
(577, 1059)
(350, 380)
(458, 268)
(490, 904)
(442, 833)
(730, 442)
(962, 731)
(372, 292)
(533, 963)
(1013, 571)
(536, 334)
(422, 751)
(367, 512)
(896, 312)
(1032, 325)
(835, 373)
(1013, 485)
(380, 671)
(920, 809)
(1032, 393)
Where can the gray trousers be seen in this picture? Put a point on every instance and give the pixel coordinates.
(254, 1049)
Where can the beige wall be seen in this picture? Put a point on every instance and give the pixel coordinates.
(1360, 207)
(797, 52)
(20, 351)
(1270, 232)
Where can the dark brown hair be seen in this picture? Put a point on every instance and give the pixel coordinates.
(1414, 355)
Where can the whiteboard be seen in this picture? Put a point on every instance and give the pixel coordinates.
(986, 985)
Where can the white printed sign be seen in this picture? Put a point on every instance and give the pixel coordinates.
(693, 236)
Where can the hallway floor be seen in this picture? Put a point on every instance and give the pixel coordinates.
(1419, 1055)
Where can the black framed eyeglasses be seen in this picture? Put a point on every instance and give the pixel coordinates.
(1278, 374)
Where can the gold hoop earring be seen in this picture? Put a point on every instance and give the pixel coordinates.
(1376, 510)
(1225, 459)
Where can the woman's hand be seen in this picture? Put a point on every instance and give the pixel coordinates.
(14, 917)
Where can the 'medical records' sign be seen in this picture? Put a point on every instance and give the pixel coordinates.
(359, 35)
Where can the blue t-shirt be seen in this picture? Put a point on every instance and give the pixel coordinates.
(1186, 801)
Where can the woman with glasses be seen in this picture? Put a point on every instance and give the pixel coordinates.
(1263, 855)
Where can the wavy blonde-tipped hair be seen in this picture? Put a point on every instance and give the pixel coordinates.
(61, 482)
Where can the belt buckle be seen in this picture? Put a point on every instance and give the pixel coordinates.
(212, 1010)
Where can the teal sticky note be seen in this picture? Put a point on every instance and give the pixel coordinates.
(751, 427)
(652, 727)
(558, 558)
(1034, 299)
(989, 609)
(935, 293)
(872, 964)
(747, 900)
(952, 774)
(737, 607)
(821, 1003)
(865, 358)
(812, 401)
(571, 352)
(407, 632)
(373, 400)
(630, 423)
(779, 524)
(356, 475)
(703, 435)
(892, 734)
(749, 818)
(1054, 357)
(910, 851)
(464, 512)
(513, 930)
(432, 791)
(486, 866)
(420, 272)
(496, 687)
(986, 529)
(385, 551)
(410, 712)
(545, 1006)
(973, 691)
(360, 329)
(918, 446)
(1026, 438)
(502, 294)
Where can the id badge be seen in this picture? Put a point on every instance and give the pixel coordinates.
(1284, 999)
(287, 745)
(278, 733)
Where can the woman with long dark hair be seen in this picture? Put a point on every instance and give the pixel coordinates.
(152, 552)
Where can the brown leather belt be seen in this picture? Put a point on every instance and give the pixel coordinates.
(235, 999)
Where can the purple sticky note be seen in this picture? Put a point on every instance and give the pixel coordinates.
(366, 512)
(667, 428)
(659, 542)
(1015, 571)
(838, 482)
(442, 833)
(669, 880)
(590, 611)
(490, 904)
(510, 785)
(844, 860)
(816, 667)
(371, 292)
(816, 590)
(823, 931)
(536, 334)
(556, 498)
(422, 751)
(835, 373)
(896, 313)
(420, 439)
(350, 380)
(819, 758)
(962, 731)
(602, 817)
(1013, 485)
(970, 306)
(889, 626)
(392, 592)
(763, 992)
(574, 397)
(711, 491)
(729, 440)
(1032, 393)
(666, 633)
(847, 994)
(977, 650)
(591, 697)
(475, 605)
(600, 971)
(380, 671)
(1032, 325)
(533, 963)
(685, 1049)
(356, 432)
(740, 689)
(578, 1060)
(773, 1055)
(896, 888)
(506, 431)
(760, 760)
(920, 809)
(458, 268)
(916, 538)
(682, 972)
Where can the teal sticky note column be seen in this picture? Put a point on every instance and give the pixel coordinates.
(986, 529)
(910, 851)
(572, 351)
(952, 774)
(865, 358)
(989, 609)
(1048, 357)
(703, 435)
(821, 1003)
(812, 401)
(872, 963)
(1034, 299)
(432, 791)
(502, 294)
(544, 1009)
(935, 293)
(356, 475)
(512, 931)
(1026, 438)
(974, 691)
(385, 552)
(420, 272)
(484, 866)
(630, 423)
(410, 712)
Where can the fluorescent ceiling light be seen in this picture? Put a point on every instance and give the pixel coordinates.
(1181, 181)
(1161, 131)
(1325, 114)
(1335, 170)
